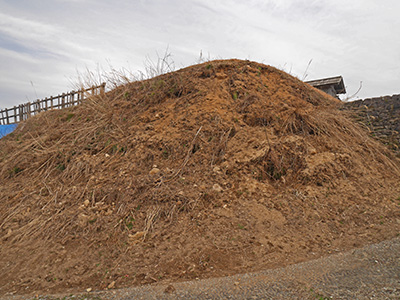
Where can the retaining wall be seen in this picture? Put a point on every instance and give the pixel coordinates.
(382, 117)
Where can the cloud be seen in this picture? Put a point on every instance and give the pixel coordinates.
(47, 41)
(41, 38)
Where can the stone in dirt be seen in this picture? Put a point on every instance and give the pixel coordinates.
(170, 289)
(154, 171)
(217, 187)
(111, 285)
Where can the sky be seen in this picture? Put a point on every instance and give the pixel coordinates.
(46, 45)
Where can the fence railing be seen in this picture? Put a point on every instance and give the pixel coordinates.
(24, 111)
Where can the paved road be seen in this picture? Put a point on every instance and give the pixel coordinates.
(372, 272)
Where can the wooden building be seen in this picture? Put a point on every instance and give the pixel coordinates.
(332, 85)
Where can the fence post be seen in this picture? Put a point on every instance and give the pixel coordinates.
(62, 100)
(103, 88)
(38, 106)
(28, 110)
(20, 112)
(15, 114)
(8, 121)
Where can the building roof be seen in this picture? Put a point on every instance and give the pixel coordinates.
(337, 83)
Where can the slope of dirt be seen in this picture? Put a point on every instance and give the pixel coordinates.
(217, 169)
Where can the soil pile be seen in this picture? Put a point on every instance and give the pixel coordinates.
(219, 168)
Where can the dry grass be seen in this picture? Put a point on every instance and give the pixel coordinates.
(59, 164)
(86, 178)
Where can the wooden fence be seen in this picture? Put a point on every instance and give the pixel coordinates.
(24, 111)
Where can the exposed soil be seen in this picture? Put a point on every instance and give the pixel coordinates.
(370, 272)
(217, 169)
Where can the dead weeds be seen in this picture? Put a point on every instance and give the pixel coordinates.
(223, 167)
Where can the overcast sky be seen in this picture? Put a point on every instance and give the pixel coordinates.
(45, 44)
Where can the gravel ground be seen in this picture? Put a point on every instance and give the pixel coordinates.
(372, 272)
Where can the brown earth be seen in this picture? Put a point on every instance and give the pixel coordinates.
(217, 169)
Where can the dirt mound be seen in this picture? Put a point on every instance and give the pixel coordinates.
(219, 168)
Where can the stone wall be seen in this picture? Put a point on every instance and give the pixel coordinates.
(381, 116)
